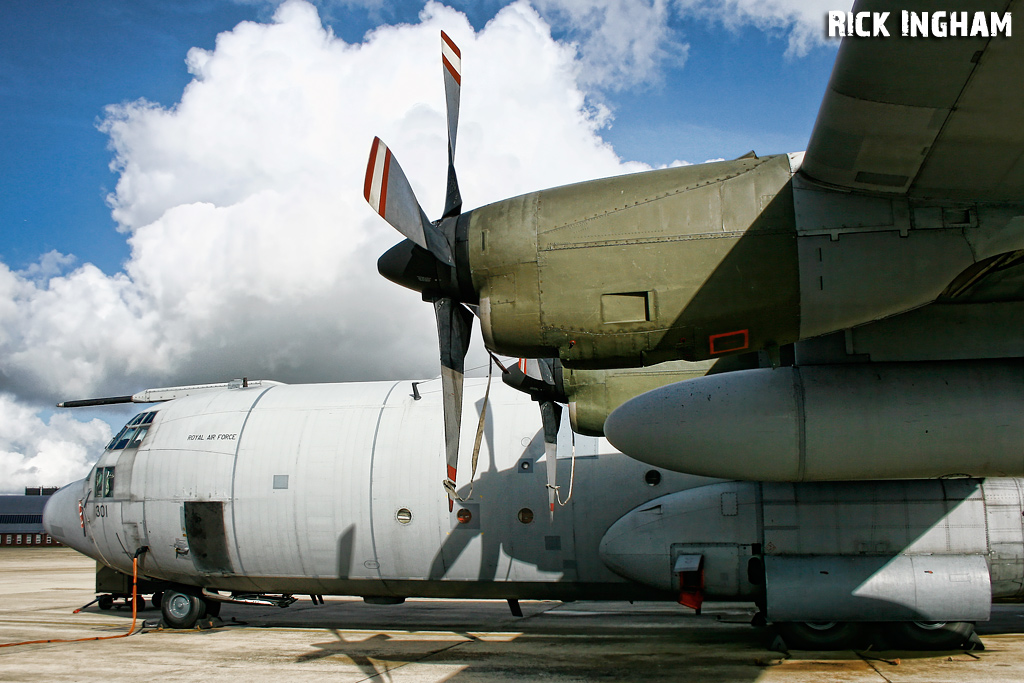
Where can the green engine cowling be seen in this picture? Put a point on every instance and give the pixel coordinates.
(691, 263)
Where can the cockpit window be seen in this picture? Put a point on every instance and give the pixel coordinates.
(103, 484)
(140, 434)
(133, 433)
(123, 439)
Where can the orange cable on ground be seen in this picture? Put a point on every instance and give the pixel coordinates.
(131, 629)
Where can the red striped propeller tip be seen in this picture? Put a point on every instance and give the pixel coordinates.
(451, 56)
(375, 185)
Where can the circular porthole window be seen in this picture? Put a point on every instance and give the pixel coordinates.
(404, 516)
(464, 516)
(652, 477)
(525, 515)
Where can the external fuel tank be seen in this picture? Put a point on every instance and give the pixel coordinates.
(833, 422)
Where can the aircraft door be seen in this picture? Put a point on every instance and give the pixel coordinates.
(103, 513)
(133, 517)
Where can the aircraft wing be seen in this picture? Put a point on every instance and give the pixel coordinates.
(930, 118)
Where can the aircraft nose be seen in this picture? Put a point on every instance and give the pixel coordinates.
(61, 520)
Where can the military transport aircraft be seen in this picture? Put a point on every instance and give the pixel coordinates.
(848, 313)
(255, 492)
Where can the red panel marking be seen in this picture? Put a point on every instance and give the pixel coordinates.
(691, 588)
(692, 599)
(729, 341)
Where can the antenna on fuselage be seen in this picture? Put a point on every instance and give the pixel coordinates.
(88, 402)
(162, 394)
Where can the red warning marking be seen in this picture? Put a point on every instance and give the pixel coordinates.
(375, 185)
(451, 57)
(370, 164)
(451, 44)
(451, 473)
(729, 341)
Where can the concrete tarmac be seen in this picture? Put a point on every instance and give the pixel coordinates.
(435, 640)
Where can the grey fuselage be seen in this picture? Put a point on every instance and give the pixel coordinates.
(298, 489)
(336, 489)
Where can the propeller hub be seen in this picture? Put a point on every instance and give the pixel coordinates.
(413, 267)
(410, 266)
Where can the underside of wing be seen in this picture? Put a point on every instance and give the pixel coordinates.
(930, 118)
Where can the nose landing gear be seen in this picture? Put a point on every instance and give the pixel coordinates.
(181, 610)
(106, 602)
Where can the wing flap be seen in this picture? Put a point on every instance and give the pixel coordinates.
(925, 117)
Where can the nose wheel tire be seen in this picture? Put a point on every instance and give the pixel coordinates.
(825, 635)
(181, 610)
(930, 635)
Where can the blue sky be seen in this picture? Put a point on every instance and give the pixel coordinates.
(182, 191)
(61, 63)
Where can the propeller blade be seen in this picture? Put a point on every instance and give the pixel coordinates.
(451, 60)
(551, 417)
(454, 325)
(389, 193)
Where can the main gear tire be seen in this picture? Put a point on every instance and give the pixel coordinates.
(823, 635)
(930, 635)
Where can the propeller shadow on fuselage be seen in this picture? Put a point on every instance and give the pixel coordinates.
(495, 500)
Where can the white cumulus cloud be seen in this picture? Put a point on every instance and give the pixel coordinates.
(34, 452)
(252, 250)
(802, 22)
(622, 43)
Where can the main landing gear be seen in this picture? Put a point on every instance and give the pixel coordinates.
(182, 610)
(910, 635)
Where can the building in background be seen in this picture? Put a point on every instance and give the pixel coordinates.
(21, 519)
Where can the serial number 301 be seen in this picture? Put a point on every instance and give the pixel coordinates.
(100, 510)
